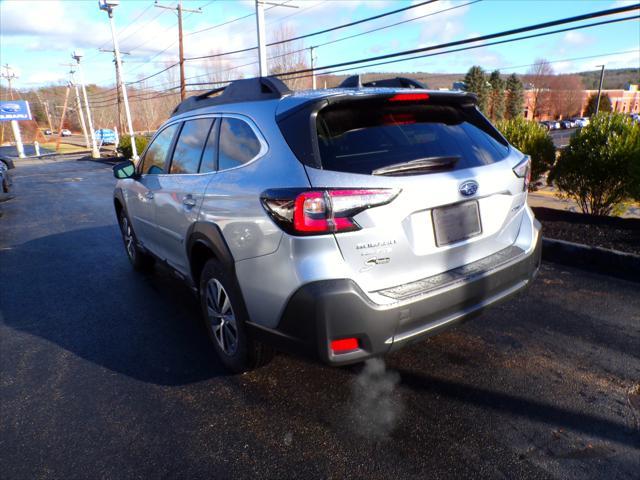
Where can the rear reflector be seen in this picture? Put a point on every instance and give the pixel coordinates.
(409, 97)
(344, 345)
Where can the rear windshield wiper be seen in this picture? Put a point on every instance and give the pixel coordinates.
(427, 163)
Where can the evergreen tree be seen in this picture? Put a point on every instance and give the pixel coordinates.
(497, 100)
(476, 82)
(515, 97)
(605, 104)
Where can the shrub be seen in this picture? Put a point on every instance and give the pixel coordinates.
(125, 145)
(532, 139)
(597, 167)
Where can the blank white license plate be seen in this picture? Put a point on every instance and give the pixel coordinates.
(456, 222)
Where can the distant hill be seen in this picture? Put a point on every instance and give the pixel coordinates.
(613, 79)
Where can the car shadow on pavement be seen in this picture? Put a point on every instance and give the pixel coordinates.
(77, 290)
(512, 405)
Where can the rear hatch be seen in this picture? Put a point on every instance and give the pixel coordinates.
(455, 196)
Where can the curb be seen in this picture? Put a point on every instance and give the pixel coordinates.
(596, 259)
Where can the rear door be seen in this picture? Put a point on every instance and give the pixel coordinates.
(180, 192)
(141, 192)
(458, 199)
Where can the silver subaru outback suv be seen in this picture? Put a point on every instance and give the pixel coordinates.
(340, 223)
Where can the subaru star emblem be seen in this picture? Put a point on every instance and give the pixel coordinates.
(468, 188)
(10, 107)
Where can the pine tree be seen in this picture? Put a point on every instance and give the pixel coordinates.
(605, 104)
(515, 97)
(497, 100)
(476, 82)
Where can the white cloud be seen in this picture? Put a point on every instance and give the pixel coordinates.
(577, 38)
(443, 26)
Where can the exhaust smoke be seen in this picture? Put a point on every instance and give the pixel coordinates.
(376, 410)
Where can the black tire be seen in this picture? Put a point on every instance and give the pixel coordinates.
(140, 260)
(248, 353)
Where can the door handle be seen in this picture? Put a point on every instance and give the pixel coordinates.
(149, 195)
(189, 201)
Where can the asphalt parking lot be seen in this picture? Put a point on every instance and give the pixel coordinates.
(106, 373)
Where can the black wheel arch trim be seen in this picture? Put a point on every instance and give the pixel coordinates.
(210, 235)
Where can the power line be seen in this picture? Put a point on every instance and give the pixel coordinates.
(615, 20)
(476, 46)
(228, 22)
(327, 30)
(351, 24)
(504, 33)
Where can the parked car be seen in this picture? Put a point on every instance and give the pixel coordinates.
(582, 122)
(65, 133)
(544, 124)
(105, 136)
(342, 224)
(566, 123)
(6, 164)
(48, 132)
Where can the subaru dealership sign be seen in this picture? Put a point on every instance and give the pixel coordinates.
(14, 110)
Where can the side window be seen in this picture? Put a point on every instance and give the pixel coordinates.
(238, 143)
(158, 151)
(208, 163)
(186, 155)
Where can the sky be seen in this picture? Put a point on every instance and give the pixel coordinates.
(37, 37)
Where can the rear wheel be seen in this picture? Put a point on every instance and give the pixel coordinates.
(225, 320)
(140, 260)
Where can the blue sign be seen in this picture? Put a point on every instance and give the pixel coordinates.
(14, 110)
(106, 136)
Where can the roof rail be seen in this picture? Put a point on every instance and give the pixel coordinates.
(244, 90)
(354, 81)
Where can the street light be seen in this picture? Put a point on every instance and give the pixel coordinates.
(77, 56)
(108, 6)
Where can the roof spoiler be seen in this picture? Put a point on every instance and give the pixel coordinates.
(247, 89)
(355, 81)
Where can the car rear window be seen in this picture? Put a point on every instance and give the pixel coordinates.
(359, 137)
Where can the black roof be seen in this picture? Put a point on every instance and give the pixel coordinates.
(245, 90)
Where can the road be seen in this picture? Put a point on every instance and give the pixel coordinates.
(107, 373)
(561, 137)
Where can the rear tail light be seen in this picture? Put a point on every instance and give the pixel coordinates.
(316, 212)
(523, 170)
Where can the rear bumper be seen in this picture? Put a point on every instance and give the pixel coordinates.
(326, 310)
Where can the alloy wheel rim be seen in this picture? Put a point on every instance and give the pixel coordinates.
(221, 319)
(127, 234)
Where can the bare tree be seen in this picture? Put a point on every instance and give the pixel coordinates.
(219, 70)
(539, 80)
(288, 57)
(566, 95)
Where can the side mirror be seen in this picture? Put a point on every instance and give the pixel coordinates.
(124, 170)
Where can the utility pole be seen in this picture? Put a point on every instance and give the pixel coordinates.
(64, 111)
(45, 105)
(79, 112)
(262, 48)
(600, 88)
(78, 104)
(118, 92)
(10, 75)
(95, 153)
(108, 5)
(313, 72)
(179, 8)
